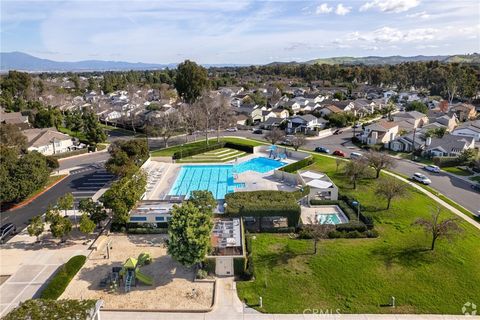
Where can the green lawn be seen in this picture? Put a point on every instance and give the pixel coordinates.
(360, 275)
(218, 155)
(456, 170)
(200, 143)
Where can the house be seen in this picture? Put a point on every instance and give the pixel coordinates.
(418, 118)
(406, 143)
(241, 119)
(363, 107)
(280, 113)
(387, 95)
(448, 146)
(450, 122)
(408, 96)
(272, 122)
(15, 118)
(48, 141)
(379, 132)
(292, 104)
(329, 109)
(468, 129)
(305, 124)
(464, 111)
(266, 114)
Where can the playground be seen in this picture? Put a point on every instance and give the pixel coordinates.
(136, 273)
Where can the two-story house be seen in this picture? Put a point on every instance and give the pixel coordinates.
(379, 132)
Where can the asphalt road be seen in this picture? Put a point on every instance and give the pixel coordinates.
(82, 183)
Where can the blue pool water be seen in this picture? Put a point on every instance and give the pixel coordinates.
(332, 218)
(218, 179)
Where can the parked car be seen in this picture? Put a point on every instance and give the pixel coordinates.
(476, 187)
(338, 153)
(421, 178)
(257, 131)
(357, 125)
(233, 129)
(432, 168)
(6, 230)
(287, 141)
(355, 155)
(322, 150)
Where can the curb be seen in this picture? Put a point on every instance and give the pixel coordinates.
(28, 201)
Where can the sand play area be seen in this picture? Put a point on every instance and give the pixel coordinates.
(173, 287)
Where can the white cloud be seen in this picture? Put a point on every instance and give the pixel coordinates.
(341, 10)
(323, 8)
(421, 15)
(393, 35)
(390, 6)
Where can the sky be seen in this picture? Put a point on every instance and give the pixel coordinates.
(239, 32)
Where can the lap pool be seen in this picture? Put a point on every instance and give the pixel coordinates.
(218, 179)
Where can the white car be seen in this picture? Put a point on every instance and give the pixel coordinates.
(432, 168)
(234, 129)
(421, 178)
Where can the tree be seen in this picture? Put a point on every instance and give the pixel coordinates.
(86, 224)
(95, 210)
(93, 131)
(338, 162)
(51, 214)
(417, 106)
(191, 80)
(318, 232)
(11, 136)
(356, 170)
(274, 135)
(126, 156)
(467, 156)
(48, 117)
(52, 162)
(189, 234)
(437, 132)
(166, 126)
(203, 200)
(379, 161)
(389, 189)
(36, 227)
(61, 227)
(66, 202)
(223, 115)
(447, 228)
(298, 141)
(205, 113)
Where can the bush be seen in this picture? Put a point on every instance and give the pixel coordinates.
(293, 167)
(194, 151)
(299, 194)
(305, 234)
(314, 202)
(240, 147)
(202, 274)
(279, 230)
(144, 258)
(40, 309)
(147, 231)
(351, 226)
(446, 161)
(62, 278)
(263, 204)
(372, 234)
(209, 265)
(70, 153)
(239, 266)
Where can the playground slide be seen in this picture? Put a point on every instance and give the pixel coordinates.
(142, 277)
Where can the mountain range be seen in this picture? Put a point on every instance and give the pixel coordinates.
(25, 62)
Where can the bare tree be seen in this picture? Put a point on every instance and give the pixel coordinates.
(189, 121)
(274, 135)
(355, 170)
(390, 188)
(223, 114)
(166, 126)
(338, 162)
(298, 141)
(205, 111)
(447, 228)
(318, 232)
(379, 161)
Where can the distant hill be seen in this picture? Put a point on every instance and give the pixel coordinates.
(375, 60)
(26, 62)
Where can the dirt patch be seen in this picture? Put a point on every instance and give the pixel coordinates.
(173, 287)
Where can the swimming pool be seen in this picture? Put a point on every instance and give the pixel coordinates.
(218, 179)
(330, 218)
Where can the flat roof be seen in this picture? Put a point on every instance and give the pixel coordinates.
(152, 207)
(226, 233)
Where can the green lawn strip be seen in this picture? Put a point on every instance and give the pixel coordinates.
(62, 278)
(456, 170)
(476, 178)
(360, 275)
(79, 135)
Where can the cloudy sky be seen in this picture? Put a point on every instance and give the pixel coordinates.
(243, 32)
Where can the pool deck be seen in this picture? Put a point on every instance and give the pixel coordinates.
(309, 214)
(162, 177)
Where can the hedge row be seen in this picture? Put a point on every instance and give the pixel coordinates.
(194, 151)
(263, 204)
(60, 281)
(69, 153)
(365, 219)
(209, 265)
(446, 161)
(147, 230)
(240, 147)
(293, 167)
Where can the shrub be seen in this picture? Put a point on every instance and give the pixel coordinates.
(147, 231)
(352, 226)
(69, 153)
(305, 234)
(209, 265)
(293, 167)
(39, 309)
(202, 274)
(299, 194)
(446, 161)
(62, 278)
(238, 146)
(144, 258)
(194, 151)
(354, 234)
(262, 204)
(314, 202)
(279, 230)
(239, 265)
(372, 234)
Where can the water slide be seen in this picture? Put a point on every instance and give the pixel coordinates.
(142, 277)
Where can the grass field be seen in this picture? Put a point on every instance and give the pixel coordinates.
(201, 143)
(456, 170)
(360, 275)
